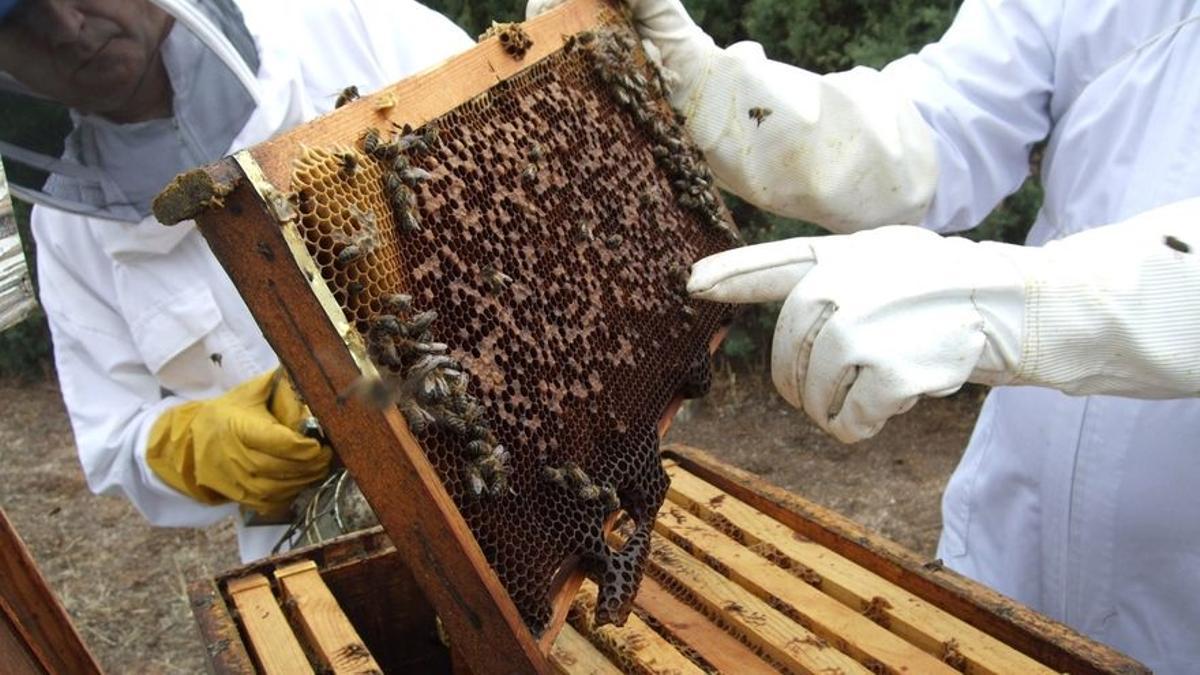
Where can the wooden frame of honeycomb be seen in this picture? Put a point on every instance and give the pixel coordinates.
(322, 273)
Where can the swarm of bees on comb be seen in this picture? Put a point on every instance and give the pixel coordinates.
(516, 268)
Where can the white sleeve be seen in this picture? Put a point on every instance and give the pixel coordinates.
(847, 151)
(408, 37)
(984, 90)
(1116, 309)
(937, 138)
(111, 396)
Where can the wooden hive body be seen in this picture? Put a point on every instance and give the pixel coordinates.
(743, 578)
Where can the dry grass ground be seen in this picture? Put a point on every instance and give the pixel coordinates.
(123, 581)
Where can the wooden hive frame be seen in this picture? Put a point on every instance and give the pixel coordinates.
(325, 357)
(744, 578)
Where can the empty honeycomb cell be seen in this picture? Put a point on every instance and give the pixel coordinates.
(560, 325)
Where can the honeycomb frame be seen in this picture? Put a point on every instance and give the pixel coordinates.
(340, 249)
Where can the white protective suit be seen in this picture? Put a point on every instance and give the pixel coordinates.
(139, 311)
(1084, 508)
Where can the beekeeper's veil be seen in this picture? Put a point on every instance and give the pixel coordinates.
(90, 165)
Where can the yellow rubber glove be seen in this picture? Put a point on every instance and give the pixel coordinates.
(242, 446)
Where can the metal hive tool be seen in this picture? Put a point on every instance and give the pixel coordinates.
(515, 268)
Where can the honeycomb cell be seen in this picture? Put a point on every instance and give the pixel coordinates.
(515, 269)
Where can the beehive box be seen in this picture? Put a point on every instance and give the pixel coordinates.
(476, 280)
(743, 578)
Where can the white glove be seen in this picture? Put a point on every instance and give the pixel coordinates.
(874, 320)
(847, 151)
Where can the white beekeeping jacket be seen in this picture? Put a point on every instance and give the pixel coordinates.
(143, 317)
(1085, 508)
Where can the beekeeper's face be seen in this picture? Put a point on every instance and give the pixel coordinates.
(98, 56)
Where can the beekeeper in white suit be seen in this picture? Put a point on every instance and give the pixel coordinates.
(1077, 496)
(165, 374)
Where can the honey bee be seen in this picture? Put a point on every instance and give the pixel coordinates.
(354, 289)
(408, 221)
(411, 142)
(309, 427)
(589, 492)
(759, 114)
(386, 152)
(1176, 245)
(398, 302)
(472, 414)
(575, 474)
(474, 480)
(395, 188)
(530, 173)
(614, 240)
(554, 475)
(646, 199)
(479, 449)
(495, 462)
(583, 233)
(348, 94)
(430, 347)
(458, 387)
(680, 276)
(455, 423)
(386, 324)
(499, 484)
(419, 420)
(348, 164)
(434, 388)
(420, 323)
(480, 431)
(215, 357)
(348, 254)
(431, 136)
(383, 352)
(413, 175)
(495, 279)
(535, 152)
(303, 199)
(371, 141)
(430, 363)
(612, 501)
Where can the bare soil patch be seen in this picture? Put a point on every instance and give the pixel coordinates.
(123, 581)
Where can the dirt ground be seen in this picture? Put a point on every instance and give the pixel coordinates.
(123, 581)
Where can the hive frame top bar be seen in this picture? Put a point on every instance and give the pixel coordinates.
(239, 207)
(433, 92)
